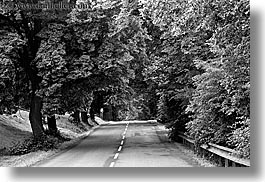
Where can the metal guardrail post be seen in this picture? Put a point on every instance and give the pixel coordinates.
(219, 153)
(220, 161)
(226, 163)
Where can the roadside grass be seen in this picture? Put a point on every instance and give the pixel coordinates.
(18, 148)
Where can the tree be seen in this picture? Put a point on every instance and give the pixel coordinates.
(93, 56)
(184, 62)
(170, 66)
(13, 85)
(24, 25)
(17, 24)
(201, 68)
(226, 80)
(108, 57)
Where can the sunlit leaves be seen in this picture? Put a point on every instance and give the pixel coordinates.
(202, 62)
(190, 58)
(11, 75)
(221, 97)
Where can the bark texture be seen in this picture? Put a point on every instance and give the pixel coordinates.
(52, 126)
(35, 117)
(84, 117)
(76, 116)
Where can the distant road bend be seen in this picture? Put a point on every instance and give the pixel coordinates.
(123, 144)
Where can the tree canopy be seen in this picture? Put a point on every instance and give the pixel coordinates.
(185, 63)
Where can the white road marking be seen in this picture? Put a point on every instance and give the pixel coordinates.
(120, 147)
(116, 156)
(112, 164)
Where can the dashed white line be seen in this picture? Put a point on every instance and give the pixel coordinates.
(112, 164)
(120, 147)
(116, 156)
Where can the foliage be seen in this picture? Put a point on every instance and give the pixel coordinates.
(33, 145)
(26, 24)
(222, 98)
(240, 138)
(95, 53)
(13, 88)
(202, 68)
(184, 62)
(170, 67)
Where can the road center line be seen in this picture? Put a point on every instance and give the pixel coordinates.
(116, 156)
(120, 147)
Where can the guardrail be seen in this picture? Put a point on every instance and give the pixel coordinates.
(224, 156)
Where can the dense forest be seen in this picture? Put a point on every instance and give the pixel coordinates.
(185, 63)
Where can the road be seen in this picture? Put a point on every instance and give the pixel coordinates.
(123, 144)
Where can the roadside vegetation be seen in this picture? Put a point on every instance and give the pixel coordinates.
(185, 63)
(16, 134)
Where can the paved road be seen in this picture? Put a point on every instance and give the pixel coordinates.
(123, 144)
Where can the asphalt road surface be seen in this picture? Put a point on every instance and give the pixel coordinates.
(123, 144)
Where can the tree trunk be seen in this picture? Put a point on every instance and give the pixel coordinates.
(92, 115)
(52, 125)
(114, 113)
(76, 116)
(35, 117)
(107, 114)
(84, 117)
